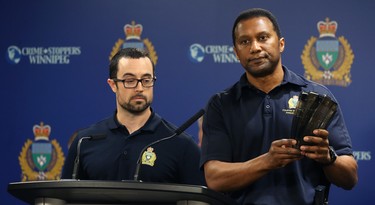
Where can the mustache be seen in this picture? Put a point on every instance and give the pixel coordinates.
(258, 57)
(139, 96)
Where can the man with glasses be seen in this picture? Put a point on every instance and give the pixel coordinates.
(133, 126)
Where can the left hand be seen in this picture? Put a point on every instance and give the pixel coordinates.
(318, 146)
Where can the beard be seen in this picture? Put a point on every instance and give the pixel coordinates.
(136, 107)
(261, 73)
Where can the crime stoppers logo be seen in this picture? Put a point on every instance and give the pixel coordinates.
(133, 39)
(216, 53)
(41, 55)
(327, 59)
(13, 55)
(196, 53)
(41, 159)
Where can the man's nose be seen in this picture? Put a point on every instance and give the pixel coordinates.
(255, 47)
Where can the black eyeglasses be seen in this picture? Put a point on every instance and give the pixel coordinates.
(133, 82)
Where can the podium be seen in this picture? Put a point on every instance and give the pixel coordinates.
(90, 192)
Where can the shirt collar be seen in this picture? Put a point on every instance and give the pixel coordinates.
(289, 78)
(150, 125)
(293, 78)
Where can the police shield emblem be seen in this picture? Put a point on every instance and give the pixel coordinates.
(327, 59)
(327, 52)
(149, 157)
(41, 159)
(41, 154)
(133, 39)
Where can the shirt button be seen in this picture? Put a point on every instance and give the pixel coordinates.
(125, 152)
(268, 106)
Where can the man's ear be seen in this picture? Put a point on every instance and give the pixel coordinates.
(112, 84)
(282, 44)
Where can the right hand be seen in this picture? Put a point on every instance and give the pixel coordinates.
(282, 153)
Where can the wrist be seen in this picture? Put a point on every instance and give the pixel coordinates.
(332, 156)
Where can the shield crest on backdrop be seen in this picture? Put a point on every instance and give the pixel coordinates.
(133, 39)
(327, 59)
(41, 154)
(327, 51)
(43, 158)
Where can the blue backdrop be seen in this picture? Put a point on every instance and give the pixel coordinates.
(55, 56)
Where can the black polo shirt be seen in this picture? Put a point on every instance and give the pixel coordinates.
(242, 122)
(114, 158)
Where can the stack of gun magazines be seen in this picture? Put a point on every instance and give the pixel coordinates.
(313, 111)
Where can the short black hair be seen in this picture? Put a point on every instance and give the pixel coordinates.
(134, 53)
(252, 13)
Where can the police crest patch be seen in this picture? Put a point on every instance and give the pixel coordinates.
(149, 157)
(327, 59)
(292, 102)
(41, 159)
(133, 39)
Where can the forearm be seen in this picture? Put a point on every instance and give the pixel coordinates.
(223, 176)
(343, 172)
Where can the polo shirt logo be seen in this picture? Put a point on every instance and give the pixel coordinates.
(149, 157)
(292, 102)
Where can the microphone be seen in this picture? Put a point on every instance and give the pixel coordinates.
(177, 132)
(76, 161)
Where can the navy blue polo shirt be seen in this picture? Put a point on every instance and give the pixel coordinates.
(114, 158)
(241, 123)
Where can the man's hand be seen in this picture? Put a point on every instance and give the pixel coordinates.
(282, 153)
(318, 146)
